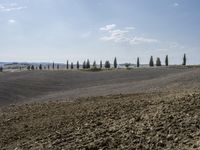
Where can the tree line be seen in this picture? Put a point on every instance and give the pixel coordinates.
(86, 64)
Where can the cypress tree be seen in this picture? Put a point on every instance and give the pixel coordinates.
(151, 63)
(184, 60)
(138, 62)
(67, 65)
(40, 67)
(32, 67)
(1, 69)
(53, 65)
(158, 62)
(29, 67)
(72, 65)
(101, 65)
(77, 65)
(94, 64)
(84, 65)
(88, 64)
(166, 61)
(115, 62)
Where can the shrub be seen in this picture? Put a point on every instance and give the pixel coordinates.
(95, 69)
(107, 64)
(127, 65)
(158, 62)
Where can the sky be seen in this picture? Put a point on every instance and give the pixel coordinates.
(60, 30)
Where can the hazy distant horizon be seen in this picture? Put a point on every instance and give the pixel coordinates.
(49, 30)
(91, 62)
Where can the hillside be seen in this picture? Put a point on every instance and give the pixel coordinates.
(93, 110)
(27, 86)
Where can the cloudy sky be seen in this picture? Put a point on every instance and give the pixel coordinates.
(56, 30)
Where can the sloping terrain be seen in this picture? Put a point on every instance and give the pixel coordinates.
(70, 109)
(50, 85)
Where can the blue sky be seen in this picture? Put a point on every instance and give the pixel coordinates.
(56, 30)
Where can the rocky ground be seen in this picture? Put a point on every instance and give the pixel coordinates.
(134, 121)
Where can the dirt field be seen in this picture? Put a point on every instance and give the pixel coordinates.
(61, 85)
(162, 111)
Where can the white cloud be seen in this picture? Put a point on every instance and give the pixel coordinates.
(11, 21)
(11, 7)
(130, 28)
(108, 27)
(124, 36)
(176, 4)
(116, 36)
(142, 40)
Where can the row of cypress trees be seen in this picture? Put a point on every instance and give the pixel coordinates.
(86, 64)
(158, 61)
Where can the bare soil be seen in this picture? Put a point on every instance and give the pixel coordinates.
(136, 121)
(162, 111)
(31, 86)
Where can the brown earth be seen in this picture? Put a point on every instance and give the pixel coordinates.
(161, 113)
(27, 86)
